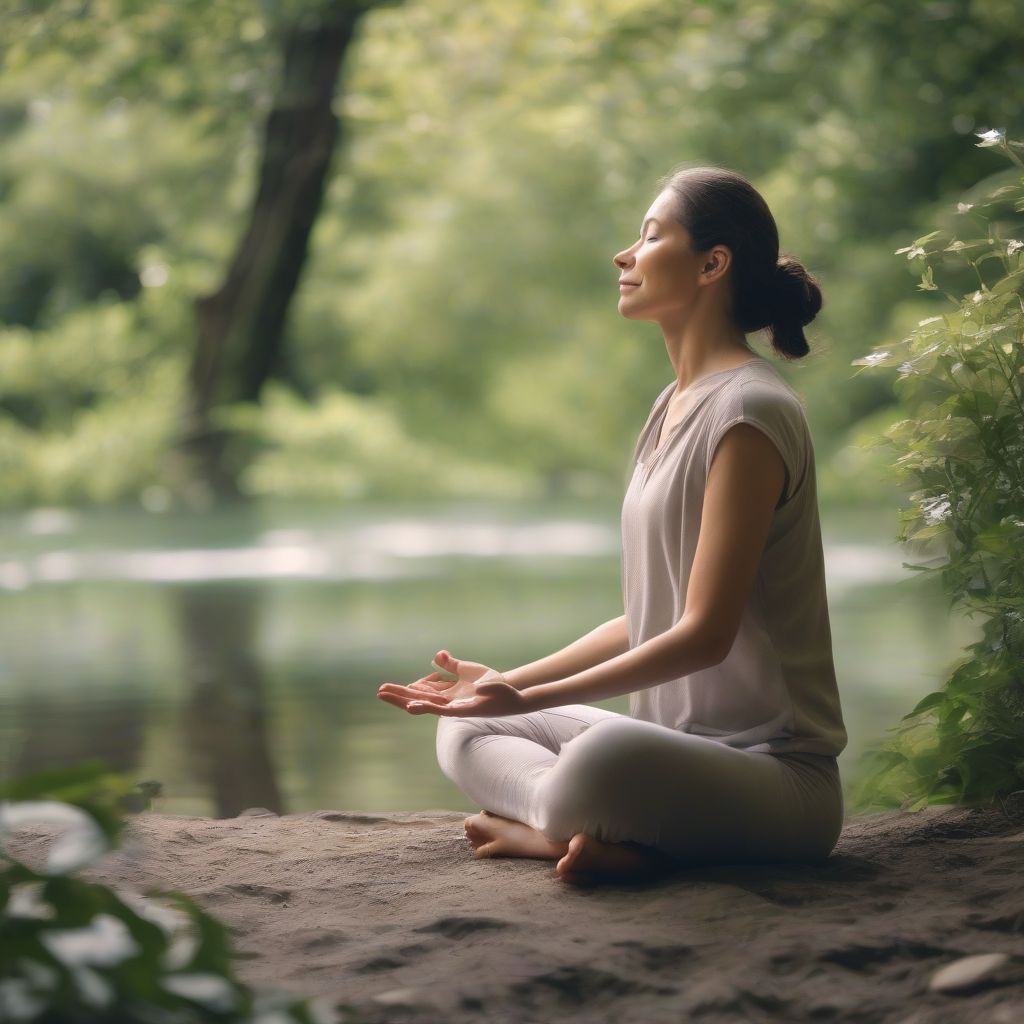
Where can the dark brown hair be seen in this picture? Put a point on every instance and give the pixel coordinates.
(718, 206)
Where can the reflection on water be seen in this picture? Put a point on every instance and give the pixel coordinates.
(235, 656)
(225, 714)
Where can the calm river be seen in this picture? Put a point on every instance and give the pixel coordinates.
(235, 656)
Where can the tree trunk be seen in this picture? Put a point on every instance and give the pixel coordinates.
(241, 324)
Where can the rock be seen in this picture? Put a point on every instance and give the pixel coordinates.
(257, 812)
(966, 971)
(397, 997)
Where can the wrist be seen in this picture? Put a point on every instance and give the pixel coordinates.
(511, 677)
(538, 697)
(492, 675)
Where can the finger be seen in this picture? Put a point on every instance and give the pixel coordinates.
(393, 688)
(389, 698)
(408, 691)
(428, 687)
(445, 673)
(445, 658)
(433, 677)
(401, 700)
(465, 706)
(424, 697)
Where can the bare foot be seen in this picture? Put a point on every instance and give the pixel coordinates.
(495, 836)
(589, 861)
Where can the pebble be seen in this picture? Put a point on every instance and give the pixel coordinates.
(397, 997)
(257, 812)
(966, 971)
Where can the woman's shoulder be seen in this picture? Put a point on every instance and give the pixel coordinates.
(759, 395)
(762, 389)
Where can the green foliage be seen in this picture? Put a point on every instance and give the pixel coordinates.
(351, 447)
(961, 445)
(75, 951)
(87, 409)
(493, 158)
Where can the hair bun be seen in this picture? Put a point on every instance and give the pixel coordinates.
(797, 295)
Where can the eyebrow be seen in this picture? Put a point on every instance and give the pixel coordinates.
(648, 221)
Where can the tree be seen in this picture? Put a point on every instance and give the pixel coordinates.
(240, 325)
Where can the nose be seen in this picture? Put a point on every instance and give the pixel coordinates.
(623, 259)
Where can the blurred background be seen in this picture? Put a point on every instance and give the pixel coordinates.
(311, 365)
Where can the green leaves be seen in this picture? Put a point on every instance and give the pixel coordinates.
(76, 950)
(961, 445)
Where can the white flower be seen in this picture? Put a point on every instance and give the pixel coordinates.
(911, 251)
(1013, 245)
(964, 207)
(936, 509)
(993, 137)
(870, 360)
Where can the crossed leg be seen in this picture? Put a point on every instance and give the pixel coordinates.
(606, 795)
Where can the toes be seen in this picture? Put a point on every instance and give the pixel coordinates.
(567, 864)
(474, 832)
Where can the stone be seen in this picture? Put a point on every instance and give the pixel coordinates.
(397, 997)
(966, 971)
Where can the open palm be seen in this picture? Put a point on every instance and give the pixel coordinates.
(466, 696)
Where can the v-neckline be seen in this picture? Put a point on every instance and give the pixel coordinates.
(651, 455)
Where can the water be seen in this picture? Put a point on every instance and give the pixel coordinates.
(235, 656)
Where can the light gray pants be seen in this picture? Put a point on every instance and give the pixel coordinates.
(580, 768)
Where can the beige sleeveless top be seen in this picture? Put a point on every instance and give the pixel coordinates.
(776, 690)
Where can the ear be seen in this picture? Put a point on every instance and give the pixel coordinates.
(718, 261)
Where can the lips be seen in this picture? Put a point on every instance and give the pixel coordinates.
(629, 284)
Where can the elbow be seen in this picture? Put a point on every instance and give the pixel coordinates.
(719, 650)
(707, 637)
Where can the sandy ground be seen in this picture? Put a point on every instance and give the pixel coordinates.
(391, 914)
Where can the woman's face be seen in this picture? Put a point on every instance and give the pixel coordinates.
(661, 269)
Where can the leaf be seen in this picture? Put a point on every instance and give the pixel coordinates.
(927, 702)
(914, 804)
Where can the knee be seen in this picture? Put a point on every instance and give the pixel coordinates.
(605, 752)
(593, 779)
(453, 737)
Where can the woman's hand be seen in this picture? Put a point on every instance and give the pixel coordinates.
(470, 695)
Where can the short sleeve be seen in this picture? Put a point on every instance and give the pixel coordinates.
(778, 414)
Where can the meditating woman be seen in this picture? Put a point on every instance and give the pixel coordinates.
(729, 749)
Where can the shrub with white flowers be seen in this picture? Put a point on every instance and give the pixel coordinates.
(960, 377)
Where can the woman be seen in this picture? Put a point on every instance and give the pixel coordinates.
(729, 748)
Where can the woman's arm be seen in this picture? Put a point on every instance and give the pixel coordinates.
(606, 641)
(744, 485)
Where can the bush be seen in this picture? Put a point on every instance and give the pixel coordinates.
(961, 444)
(73, 951)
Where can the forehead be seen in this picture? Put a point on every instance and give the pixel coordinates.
(661, 209)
